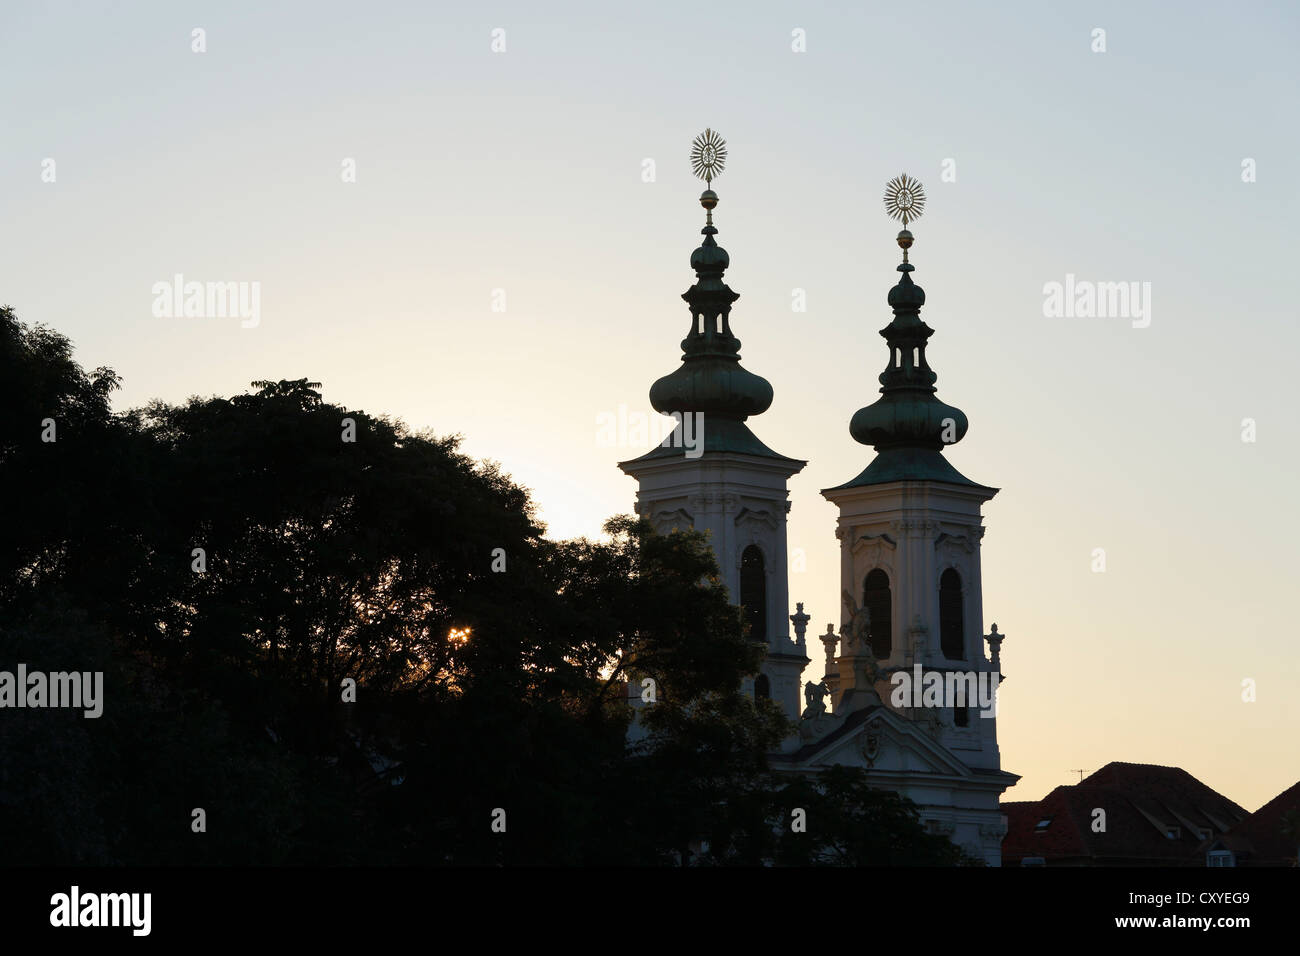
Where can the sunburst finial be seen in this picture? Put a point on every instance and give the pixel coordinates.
(708, 156)
(904, 200)
(708, 159)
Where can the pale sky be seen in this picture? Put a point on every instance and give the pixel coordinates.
(522, 171)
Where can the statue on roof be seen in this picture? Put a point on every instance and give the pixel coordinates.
(814, 696)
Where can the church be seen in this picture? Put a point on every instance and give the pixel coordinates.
(909, 532)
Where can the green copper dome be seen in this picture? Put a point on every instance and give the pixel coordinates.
(908, 413)
(908, 425)
(709, 391)
(710, 379)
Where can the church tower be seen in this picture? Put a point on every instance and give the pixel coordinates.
(713, 474)
(909, 530)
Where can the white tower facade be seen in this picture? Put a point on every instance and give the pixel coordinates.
(913, 696)
(739, 498)
(714, 475)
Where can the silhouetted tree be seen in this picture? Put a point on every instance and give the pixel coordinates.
(230, 563)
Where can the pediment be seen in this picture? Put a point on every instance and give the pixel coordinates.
(886, 742)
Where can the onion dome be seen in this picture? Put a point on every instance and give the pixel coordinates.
(908, 425)
(709, 388)
(710, 379)
(908, 411)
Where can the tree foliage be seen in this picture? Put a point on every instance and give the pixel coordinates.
(229, 563)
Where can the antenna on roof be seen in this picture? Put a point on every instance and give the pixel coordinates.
(1079, 772)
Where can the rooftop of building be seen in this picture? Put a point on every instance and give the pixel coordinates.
(1152, 814)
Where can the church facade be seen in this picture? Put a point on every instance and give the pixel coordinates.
(906, 691)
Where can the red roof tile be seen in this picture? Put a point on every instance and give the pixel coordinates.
(1142, 803)
(1258, 840)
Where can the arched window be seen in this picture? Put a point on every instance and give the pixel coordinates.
(762, 688)
(952, 629)
(876, 599)
(753, 592)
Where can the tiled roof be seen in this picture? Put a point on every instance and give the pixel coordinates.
(1258, 839)
(1143, 803)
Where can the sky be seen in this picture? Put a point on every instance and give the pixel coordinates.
(505, 259)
